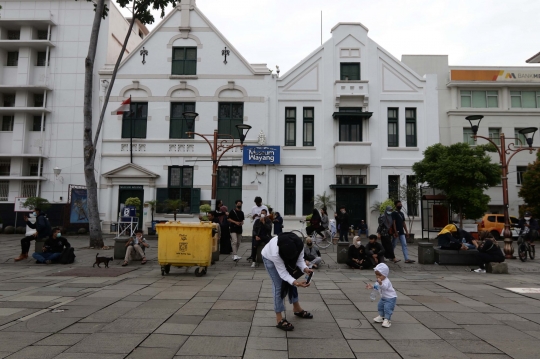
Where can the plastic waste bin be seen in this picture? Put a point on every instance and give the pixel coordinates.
(185, 245)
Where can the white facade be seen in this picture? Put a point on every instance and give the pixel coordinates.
(312, 84)
(33, 33)
(513, 104)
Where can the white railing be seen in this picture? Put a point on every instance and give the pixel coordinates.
(29, 189)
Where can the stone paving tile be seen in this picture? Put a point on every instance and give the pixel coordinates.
(164, 341)
(140, 326)
(434, 320)
(230, 315)
(370, 346)
(223, 329)
(517, 349)
(185, 319)
(14, 341)
(267, 332)
(489, 356)
(265, 354)
(44, 323)
(233, 304)
(455, 334)
(106, 343)
(400, 331)
(179, 329)
(89, 356)
(473, 346)
(316, 348)
(306, 329)
(363, 334)
(486, 332)
(154, 353)
(426, 349)
(38, 352)
(62, 339)
(83, 328)
(272, 344)
(213, 346)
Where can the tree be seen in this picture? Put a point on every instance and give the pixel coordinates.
(175, 205)
(324, 201)
(530, 185)
(37, 202)
(141, 12)
(411, 192)
(381, 206)
(462, 172)
(152, 205)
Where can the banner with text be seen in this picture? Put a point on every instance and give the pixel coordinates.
(262, 155)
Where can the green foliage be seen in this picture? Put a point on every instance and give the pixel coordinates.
(381, 206)
(37, 202)
(205, 208)
(463, 173)
(133, 201)
(324, 201)
(142, 8)
(308, 218)
(529, 187)
(175, 205)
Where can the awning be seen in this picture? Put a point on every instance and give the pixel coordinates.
(368, 186)
(350, 114)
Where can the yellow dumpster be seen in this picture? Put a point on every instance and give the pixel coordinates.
(185, 245)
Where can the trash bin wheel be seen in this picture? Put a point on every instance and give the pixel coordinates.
(199, 272)
(204, 271)
(167, 268)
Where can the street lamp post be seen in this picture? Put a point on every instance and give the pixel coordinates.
(221, 144)
(503, 151)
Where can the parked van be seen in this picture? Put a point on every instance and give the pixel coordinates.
(494, 223)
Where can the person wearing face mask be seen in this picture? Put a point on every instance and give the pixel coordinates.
(401, 232)
(52, 248)
(375, 250)
(342, 219)
(528, 227)
(385, 223)
(236, 221)
(43, 230)
(312, 256)
(278, 224)
(357, 257)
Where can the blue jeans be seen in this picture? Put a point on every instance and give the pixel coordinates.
(403, 241)
(386, 307)
(46, 256)
(469, 245)
(279, 304)
(363, 231)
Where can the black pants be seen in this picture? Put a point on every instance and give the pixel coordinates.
(254, 245)
(25, 244)
(484, 258)
(344, 234)
(380, 258)
(365, 264)
(388, 247)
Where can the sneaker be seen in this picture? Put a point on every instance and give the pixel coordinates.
(238, 258)
(253, 265)
(378, 319)
(479, 270)
(386, 323)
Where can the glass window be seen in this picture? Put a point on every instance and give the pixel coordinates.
(7, 123)
(495, 135)
(309, 131)
(13, 58)
(479, 99)
(29, 189)
(290, 195)
(525, 99)
(42, 35)
(184, 61)
(178, 125)
(41, 58)
(393, 187)
(308, 193)
(520, 170)
(36, 123)
(350, 130)
(9, 100)
(410, 127)
(14, 34)
(230, 115)
(349, 71)
(290, 126)
(5, 167)
(393, 133)
(34, 168)
(467, 136)
(180, 183)
(521, 140)
(134, 121)
(38, 100)
(4, 190)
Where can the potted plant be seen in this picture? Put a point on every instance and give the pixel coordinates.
(175, 205)
(152, 228)
(204, 208)
(324, 201)
(133, 202)
(412, 193)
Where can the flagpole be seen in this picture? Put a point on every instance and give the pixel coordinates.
(130, 132)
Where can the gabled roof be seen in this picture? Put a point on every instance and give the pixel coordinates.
(130, 170)
(534, 59)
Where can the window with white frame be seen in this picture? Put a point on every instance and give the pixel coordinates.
(525, 99)
(521, 140)
(5, 167)
(479, 99)
(520, 170)
(7, 123)
(29, 189)
(495, 135)
(467, 136)
(4, 190)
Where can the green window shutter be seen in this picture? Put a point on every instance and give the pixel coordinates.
(195, 200)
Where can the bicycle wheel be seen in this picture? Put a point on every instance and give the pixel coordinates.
(299, 234)
(322, 242)
(522, 252)
(531, 251)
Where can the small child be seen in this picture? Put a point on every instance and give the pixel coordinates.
(388, 295)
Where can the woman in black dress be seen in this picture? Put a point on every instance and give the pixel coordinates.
(225, 240)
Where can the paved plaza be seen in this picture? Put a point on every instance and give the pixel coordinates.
(76, 311)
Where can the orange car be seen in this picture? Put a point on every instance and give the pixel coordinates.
(494, 223)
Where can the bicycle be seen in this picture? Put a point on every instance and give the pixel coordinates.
(321, 242)
(525, 246)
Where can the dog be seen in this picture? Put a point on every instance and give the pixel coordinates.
(100, 260)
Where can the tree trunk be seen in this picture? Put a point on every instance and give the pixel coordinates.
(96, 238)
(175, 215)
(460, 216)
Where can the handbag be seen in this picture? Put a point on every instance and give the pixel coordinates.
(297, 273)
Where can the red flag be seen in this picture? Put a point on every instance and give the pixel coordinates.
(124, 107)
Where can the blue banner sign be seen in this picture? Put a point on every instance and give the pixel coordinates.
(262, 155)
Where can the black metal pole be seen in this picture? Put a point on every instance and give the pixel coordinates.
(130, 132)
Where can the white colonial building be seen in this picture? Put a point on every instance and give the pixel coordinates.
(507, 97)
(43, 45)
(349, 119)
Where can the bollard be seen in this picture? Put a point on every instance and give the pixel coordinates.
(342, 252)
(426, 253)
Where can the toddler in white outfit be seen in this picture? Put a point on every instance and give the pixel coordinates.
(388, 295)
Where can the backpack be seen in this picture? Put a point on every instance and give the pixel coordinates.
(68, 256)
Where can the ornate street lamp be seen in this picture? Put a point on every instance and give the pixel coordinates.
(504, 150)
(190, 117)
(242, 132)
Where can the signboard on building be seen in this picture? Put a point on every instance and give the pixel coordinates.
(262, 155)
(510, 75)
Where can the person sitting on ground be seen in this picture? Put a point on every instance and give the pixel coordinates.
(43, 230)
(362, 228)
(312, 256)
(375, 250)
(135, 244)
(357, 257)
(450, 238)
(52, 248)
(488, 251)
(528, 227)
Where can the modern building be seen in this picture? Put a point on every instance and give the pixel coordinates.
(348, 120)
(507, 97)
(43, 46)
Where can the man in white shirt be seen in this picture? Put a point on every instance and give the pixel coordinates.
(256, 210)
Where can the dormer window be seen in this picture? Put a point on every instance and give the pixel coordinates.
(184, 61)
(350, 71)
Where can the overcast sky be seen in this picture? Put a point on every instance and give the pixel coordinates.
(471, 32)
